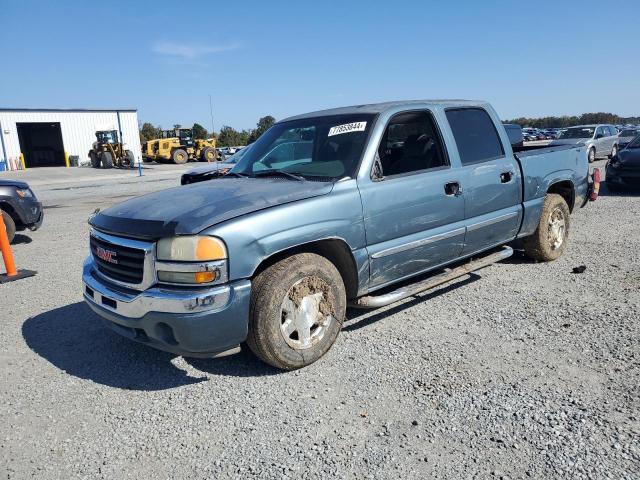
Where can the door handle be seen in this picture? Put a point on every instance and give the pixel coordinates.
(452, 189)
(506, 177)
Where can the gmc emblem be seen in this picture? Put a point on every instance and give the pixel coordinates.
(106, 255)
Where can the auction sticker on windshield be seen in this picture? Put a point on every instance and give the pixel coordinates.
(347, 128)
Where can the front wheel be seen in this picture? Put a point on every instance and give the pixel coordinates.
(297, 309)
(614, 151)
(592, 155)
(106, 160)
(9, 224)
(209, 154)
(550, 239)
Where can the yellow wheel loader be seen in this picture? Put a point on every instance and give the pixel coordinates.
(178, 146)
(108, 151)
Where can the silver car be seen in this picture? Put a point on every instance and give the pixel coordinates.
(601, 140)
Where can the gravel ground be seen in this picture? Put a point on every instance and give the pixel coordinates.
(522, 370)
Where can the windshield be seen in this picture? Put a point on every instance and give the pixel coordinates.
(577, 132)
(236, 157)
(107, 137)
(629, 133)
(635, 143)
(184, 134)
(329, 147)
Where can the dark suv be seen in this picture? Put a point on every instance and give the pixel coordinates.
(20, 207)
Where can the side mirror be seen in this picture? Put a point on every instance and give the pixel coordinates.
(599, 135)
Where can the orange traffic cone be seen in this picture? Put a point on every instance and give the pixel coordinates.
(7, 255)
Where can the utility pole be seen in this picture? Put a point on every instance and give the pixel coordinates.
(211, 113)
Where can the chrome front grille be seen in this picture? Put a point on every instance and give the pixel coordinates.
(123, 261)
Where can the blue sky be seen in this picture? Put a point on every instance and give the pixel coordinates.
(286, 57)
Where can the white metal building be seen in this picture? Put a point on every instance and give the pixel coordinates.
(48, 137)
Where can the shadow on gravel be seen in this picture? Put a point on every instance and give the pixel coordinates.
(21, 239)
(360, 319)
(73, 339)
(242, 364)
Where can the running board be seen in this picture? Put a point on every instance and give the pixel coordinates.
(375, 301)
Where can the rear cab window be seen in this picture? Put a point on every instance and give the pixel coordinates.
(475, 134)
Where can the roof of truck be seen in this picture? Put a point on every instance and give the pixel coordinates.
(381, 107)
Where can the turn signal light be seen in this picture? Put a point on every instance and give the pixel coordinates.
(205, 277)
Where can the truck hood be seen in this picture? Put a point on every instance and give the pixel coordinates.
(189, 209)
(630, 157)
(13, 183)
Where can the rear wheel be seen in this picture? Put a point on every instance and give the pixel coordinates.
(106, 160)
(95, 160)
(550, 239)
(179, 156)
(297, 309)
(592, 155)
(9, 224)
(129, 158)
(209, 154)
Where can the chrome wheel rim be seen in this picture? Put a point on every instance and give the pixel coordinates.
(614, 151)
(303, 323)
(557, 228)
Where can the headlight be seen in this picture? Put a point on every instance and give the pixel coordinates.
(191, 260)
(26, 193)
(193, 248)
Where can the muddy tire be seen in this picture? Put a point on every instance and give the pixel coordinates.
(95, 160)
(106, 160)
(209, 154)
(550, 239)
(9, 224)
(591, 155)
(179, 156)
(296, 312)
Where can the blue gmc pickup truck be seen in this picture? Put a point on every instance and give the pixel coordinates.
(328, 209)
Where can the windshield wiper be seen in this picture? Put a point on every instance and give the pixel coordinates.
(274, 172)
(237, 174)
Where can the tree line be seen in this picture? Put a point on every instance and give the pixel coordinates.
(226, 137)
(570, 121)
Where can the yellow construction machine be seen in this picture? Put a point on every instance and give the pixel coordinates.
(178, 145)
(108, 151)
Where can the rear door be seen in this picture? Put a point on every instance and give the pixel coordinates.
(601, 140)
(413, 208)
(490, 176)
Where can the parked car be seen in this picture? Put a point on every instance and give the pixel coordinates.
(600, 140)
(343, 206)
(212, 170)
(626, 135)
(19, 207)
(623, 170)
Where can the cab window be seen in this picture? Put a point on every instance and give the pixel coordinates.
(411, 143)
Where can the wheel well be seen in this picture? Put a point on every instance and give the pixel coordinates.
(6, 207)
(334, 250)
(565, 190)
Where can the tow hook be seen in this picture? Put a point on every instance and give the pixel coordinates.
(595, 185)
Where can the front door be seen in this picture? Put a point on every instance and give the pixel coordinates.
(413, 207)
(490, 178)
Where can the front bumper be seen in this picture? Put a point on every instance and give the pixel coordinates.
(192, 323)
(30, 212)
